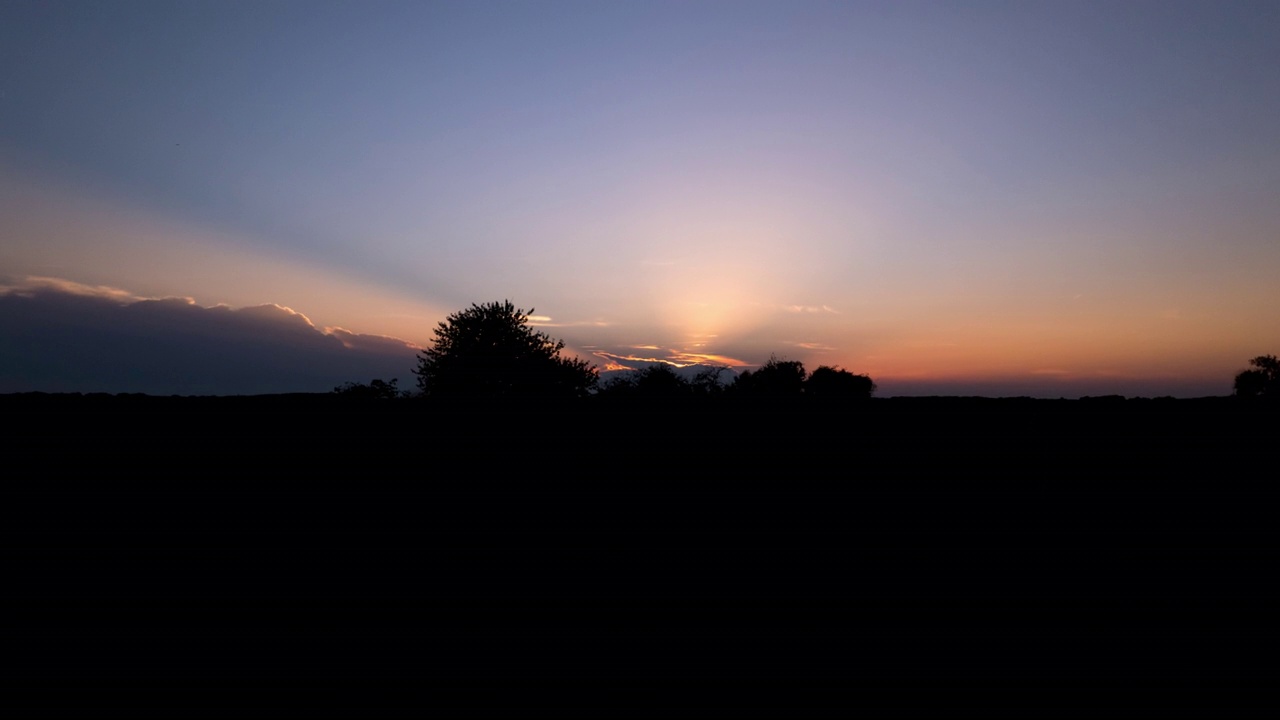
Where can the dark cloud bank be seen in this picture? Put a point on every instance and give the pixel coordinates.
(60, 337)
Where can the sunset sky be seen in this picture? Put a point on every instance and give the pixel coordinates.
(997, 198)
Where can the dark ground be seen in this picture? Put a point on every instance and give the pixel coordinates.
(304, 556)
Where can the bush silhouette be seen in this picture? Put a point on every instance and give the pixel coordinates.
(775, 379)
(377, 389)
(490, 352)
(833, 384)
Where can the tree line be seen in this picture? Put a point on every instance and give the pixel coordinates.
(490, 352)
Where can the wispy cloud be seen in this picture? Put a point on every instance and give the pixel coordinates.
(674, 358)
(359, 341)
(614, 361)
(546, 321)
(32, 285)
(690, 358)
(810, 309)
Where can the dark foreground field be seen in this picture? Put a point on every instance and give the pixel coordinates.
(304, 556)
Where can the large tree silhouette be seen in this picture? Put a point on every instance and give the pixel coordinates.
(490, 352)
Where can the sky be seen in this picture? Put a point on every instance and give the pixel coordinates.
(1051, 199)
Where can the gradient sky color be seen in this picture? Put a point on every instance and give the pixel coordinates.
(1000, 198)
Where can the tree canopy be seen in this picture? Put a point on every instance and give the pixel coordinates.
(490, 352)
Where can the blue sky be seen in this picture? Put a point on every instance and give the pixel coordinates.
(1007, 197)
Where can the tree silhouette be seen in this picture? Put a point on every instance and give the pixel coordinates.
(833, 384)
(775, 379)
(1261, 382)
(707, 382)
(490, 352)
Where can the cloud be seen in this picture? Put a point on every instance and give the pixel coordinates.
(810, 309)
(30, 286)
(674, 358)
(613, 361)
(544, 321)
(61, 336)
(690, 358)
(372, 343)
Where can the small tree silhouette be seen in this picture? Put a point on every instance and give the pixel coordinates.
(490, 352)
(1261, 382)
